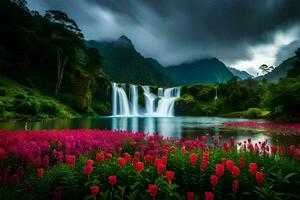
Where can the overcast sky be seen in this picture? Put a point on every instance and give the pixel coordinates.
(242, 33)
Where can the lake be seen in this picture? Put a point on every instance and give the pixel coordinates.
(179, 127)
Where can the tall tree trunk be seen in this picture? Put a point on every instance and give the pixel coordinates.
(60, 71)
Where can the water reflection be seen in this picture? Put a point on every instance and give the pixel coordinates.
(167, 126)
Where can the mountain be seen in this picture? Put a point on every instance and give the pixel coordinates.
(240, 74)
(280, 71)
(209, 70)
(123, 63)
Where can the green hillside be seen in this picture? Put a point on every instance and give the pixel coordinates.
(199, 71)
(240, 74)
(280, 71)
(21, 102)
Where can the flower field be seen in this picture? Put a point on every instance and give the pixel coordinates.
(98, 164)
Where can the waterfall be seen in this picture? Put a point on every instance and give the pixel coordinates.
(120, 101)
(134, 99)
(149, 99)
(165, 100)
(216, 92)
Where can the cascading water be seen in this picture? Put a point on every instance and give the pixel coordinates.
(120, 101)
(216, 92)
(134, 99)
(149, 99)
(161, 104)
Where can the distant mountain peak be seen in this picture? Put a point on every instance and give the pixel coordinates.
(239, 73)
(124, 41)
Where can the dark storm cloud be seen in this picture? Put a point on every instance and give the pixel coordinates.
(173, 31)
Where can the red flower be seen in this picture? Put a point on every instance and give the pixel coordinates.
(127, 157)
(157, 161)
(70, 160)
(235, 171)
(152, 190)
(2, 153)
(193, 158)
(121, 162)
(108, 156)
(259, 177)
(89, 162)
(226, 146)
(209, 195)
(235, 186)
(164, 160)
(99, 157)
(252, 168)
(204, 163)
(183, 150)
(223, 161)
(40, 172)
(291, 150)
(230, 165)
(161, 168)
(148, 158)
(112, 180)
(231, 141)
(170, 175)
(242, 162)
(140, 166)
(190, 195)
(213, 180)
(204, 138)
(219, 170)
(94, 190)
(297, 152)
(88, 169)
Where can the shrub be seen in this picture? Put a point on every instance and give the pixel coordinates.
(49, 107)
(20, 96)
(27, 106)
(1, 107)
(2, 92)
(253, 113)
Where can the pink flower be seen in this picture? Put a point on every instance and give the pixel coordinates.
(99, 157)
(2, 153)
(235, 186)
(94, 190)
(88, 169)
(70, 160)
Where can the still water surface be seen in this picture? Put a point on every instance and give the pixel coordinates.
(167, 126)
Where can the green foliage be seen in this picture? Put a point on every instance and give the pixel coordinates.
(2, 91)
(21, 102)
(2, 109)
(48, 53)
(254, 113)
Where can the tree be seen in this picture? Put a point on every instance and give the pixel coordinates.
(67, 38)
(266, 69)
